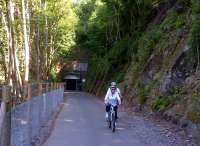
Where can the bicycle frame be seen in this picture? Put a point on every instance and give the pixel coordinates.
(112, 113)
(111, 118)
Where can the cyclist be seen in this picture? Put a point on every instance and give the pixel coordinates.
(118, 91)
(112, 98)
(115, 85)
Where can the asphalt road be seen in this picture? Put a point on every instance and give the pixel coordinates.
(82, 123)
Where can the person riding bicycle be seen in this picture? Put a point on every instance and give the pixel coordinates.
(112, 98)
(118, 90)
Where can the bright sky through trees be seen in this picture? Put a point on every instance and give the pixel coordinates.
(74, 1)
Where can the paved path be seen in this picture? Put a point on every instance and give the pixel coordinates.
(82, 123)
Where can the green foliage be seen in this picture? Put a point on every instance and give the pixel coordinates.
(195, 31)
(142, 92)
(63, 31)
(196, 7)
(108, 30)
(125, 87)
(152, 84)
(90, 32)
(53, 77)
(147, 42)
(145, 90)
(194, 113)
(161, 103)
(155, 34)
(145, 45)
(119, 53)
(120, 77)
(173, 21)
(180, 21)
(145, 48)
(115, 31)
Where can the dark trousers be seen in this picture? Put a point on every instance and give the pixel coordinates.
(115, 109)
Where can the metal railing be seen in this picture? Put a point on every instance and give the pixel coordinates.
(24, 121)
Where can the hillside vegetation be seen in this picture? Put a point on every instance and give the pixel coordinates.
(151, 48)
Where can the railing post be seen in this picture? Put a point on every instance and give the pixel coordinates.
(51, 86)
(29, 92)
(5, 118)
(47, 87)
(54, 86)
(29, 112)
(40, 89)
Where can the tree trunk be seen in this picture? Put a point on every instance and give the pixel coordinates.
(44, 52)
(14, 74)
(10, 49)
(38, 51)
(46, 43)
(38, 54)
(5, 53)
(26, 42)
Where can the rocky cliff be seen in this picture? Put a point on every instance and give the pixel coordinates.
(163, 78)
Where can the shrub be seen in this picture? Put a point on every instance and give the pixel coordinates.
(53, 76)
(196, 8)
(179, 22)
(156, 34)
(125, 87)
(173, 21)
(160, 104)
(195, 32)
(119, 77)
(142, 93)
(194, 112)
(163, 102)
(152, 84)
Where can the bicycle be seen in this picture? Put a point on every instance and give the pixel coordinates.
(111, 118)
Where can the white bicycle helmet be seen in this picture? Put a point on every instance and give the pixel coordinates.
(113, 84)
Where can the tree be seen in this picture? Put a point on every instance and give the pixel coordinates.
(14, 76)
(34, 36)
(26, 41)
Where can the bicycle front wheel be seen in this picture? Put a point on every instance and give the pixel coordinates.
(109, 120)
(113, 125)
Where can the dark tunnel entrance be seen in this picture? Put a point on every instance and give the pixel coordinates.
(73, 74)
(72, 82)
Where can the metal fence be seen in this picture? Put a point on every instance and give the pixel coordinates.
(25, 121)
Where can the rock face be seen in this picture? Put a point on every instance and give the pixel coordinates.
(171, 83)
(180, 75)
(182, 68)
